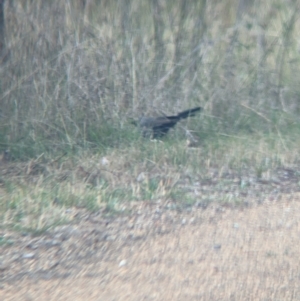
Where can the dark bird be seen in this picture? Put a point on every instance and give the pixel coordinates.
(156, 127)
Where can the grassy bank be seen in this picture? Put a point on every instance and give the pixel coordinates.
(76, 74)
(43, 192)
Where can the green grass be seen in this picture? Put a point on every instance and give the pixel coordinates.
(35, 198)
(5, 242)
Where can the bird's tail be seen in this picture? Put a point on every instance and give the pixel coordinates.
(189, 113)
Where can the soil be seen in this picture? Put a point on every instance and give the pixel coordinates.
(213, 252)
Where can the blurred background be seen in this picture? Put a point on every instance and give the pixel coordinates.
(74, 72)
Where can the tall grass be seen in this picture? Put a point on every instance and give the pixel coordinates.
(78, 70)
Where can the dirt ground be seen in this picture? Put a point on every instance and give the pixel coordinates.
(213, 253)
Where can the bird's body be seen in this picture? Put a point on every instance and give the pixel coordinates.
(156, 127)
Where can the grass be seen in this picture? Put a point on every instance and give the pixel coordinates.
(67, 105)
(39, 195)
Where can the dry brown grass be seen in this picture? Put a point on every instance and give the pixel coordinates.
(76, 74)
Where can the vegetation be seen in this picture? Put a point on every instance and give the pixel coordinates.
(76, 72)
